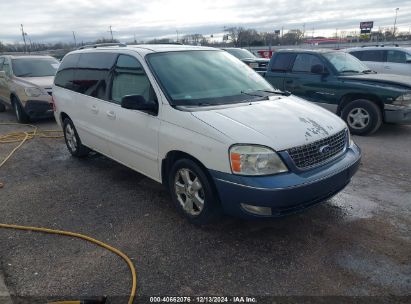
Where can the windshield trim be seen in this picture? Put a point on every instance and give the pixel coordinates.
(170, 100)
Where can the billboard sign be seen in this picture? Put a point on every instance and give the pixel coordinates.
(366, 25)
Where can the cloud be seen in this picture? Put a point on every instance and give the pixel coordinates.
(51, 21)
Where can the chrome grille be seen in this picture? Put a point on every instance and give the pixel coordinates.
(320, 151)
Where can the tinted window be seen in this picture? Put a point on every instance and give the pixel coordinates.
(357, 54)
(396, 56)
(92, 73)
(34, 67)
(282, 62)
(65, 75)
(304, 62)
(129, 78)
(375, 55)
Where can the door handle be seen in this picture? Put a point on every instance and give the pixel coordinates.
(94, 109)
(111, 114)
(387, 67)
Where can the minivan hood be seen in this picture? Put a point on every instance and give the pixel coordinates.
(382, 78)
(282, 123)
(42, 82)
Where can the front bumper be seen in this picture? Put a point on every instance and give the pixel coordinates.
(402, 116)
(38, 109)
(288, 192)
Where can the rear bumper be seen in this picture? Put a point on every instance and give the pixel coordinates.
(398, 116)
(38, 109)
(286, 193)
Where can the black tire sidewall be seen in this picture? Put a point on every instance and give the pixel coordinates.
(212, 207)
(22, 117)
(371, 108)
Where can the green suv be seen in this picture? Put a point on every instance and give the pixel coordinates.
(344, 85)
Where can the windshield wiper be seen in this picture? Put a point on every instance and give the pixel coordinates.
(25, 74)
(349, 71)
(278, 92)
(369, 71)
(251, 94)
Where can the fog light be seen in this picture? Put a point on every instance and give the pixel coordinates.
(257, 209)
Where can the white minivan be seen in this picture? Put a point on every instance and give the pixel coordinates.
(204, 124)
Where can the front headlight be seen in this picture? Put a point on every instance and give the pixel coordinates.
(403, 100)
(255, 160)
(33, 92)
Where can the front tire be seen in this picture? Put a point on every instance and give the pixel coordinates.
(192, 192)
(21, 115)
(73, 142)
(362, 116)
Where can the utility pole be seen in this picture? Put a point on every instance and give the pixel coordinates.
(395, 23)
(177, 35)
(74, 37)
(24, 38)
(282, 35)
(111, 33)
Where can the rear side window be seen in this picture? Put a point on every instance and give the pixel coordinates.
(396, 56)
(92, 74)
(282, 62)
(65, 74)
(372, 55)
(304, 63)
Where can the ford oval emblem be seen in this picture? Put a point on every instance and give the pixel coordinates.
(325, 149)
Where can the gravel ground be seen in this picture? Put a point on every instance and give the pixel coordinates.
(355, 244)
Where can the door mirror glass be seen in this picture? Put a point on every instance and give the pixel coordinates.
(318, 69)
(138, 102)
(2, 74)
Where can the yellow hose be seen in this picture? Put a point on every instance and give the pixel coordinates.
(22, 137)
(89, 239)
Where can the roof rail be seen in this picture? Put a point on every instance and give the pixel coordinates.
(93, 46)
(382, 45)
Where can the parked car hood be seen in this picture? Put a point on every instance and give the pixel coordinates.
(42, 82)
(281, 123)
(382, 78)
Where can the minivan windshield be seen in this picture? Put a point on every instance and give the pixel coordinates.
(211, 77)
(346, 63)
(34, 67)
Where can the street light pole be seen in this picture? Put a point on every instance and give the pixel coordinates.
(395, 23)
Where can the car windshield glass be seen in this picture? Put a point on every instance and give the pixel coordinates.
(240, 53)
(206, 78)
(345, 63)
(34, 67)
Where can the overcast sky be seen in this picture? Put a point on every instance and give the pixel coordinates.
(54, 20)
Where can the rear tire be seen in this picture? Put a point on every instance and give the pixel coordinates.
(192, 192)
(73, 142)
(21, 115)
(362, 116)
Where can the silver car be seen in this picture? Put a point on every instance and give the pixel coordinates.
(385, 59)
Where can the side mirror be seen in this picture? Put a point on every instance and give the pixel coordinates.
(319, 69)
(138, 102)
(2, 74)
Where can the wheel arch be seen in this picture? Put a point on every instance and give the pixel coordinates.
(174, 155)
(347, 98)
